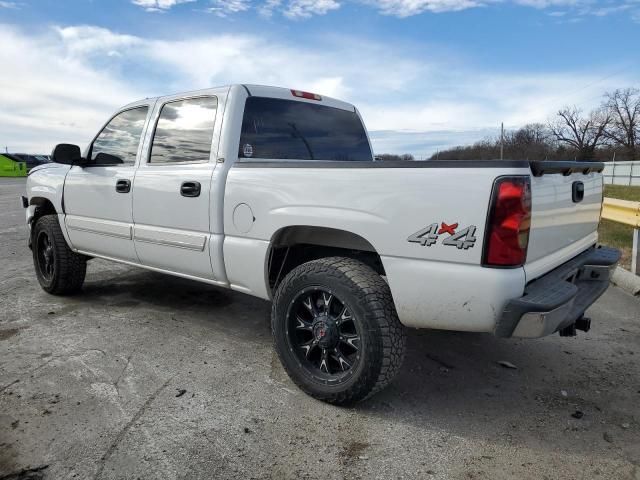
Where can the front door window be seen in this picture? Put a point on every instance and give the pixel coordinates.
(117, 143)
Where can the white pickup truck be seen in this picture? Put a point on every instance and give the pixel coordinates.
(276, 193)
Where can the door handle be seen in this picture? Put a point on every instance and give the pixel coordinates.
(190, 189)
(123, 186)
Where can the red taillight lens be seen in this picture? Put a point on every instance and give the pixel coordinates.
(507, 235)
(307, 95)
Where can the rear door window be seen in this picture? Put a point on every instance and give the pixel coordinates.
(184, 131)
(279, 129)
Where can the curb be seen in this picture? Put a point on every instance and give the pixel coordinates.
(626, 280)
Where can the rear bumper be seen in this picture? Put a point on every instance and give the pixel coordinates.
(559, 298)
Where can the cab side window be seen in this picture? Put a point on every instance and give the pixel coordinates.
(118, 142)
(184, 131)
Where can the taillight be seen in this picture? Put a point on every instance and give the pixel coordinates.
(307, 95)
(507, 236)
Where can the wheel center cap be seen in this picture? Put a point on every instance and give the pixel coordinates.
(324, 332)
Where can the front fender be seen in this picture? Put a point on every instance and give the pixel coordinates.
(46, 184)
(45, 187)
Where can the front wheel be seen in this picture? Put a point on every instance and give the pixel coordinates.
(60, 271)
(336, 330)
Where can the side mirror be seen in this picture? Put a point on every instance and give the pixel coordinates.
(67, 154)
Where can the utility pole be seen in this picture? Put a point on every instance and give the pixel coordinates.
(502, 141)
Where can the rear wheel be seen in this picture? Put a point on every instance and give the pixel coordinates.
(336, 330)
(60, 271)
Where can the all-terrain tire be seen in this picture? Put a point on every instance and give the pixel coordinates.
(60, 271)
(383, 337)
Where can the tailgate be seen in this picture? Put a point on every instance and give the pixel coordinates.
(562, 223)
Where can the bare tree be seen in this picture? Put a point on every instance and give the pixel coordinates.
(584, 134)
(389, 157)
(531, 142)
(624, 129)
(531, 134)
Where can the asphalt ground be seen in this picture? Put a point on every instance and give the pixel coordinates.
(151, 376)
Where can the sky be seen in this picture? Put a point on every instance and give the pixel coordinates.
(425, 74)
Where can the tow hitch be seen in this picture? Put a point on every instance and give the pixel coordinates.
(583, 324)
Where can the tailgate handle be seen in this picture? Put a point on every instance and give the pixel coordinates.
(577, 190)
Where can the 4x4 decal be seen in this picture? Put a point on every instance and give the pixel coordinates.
(464, 239)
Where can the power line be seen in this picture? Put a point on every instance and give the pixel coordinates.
(574, 92)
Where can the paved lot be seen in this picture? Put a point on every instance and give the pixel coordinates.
(89, 385)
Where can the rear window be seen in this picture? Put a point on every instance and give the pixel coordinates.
(290, 130)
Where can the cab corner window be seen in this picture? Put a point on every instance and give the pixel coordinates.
(118, 142)
(184, 131)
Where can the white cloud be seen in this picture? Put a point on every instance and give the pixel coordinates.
(223, 8)
(297, 9)
(59, 97)
(308, 8)
(604, 11)
(267, 8)
(293, 9)
(301, 9)
(406, 8)
(553, 3)
(411, 104)
(4, 4)
(159, 5)
(87, 39)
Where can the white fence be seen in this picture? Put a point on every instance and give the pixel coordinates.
(622, 173)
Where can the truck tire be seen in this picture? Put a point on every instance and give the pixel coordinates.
(60, 271)
(336, 330)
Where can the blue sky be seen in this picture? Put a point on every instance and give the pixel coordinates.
(426, 74)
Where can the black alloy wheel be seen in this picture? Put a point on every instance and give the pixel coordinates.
(324, 334)
(60, 271)
(45, 255)
(336, 330)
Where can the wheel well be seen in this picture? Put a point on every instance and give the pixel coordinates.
(293, 246)
(43, 207)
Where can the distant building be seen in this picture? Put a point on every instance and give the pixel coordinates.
(11, 166)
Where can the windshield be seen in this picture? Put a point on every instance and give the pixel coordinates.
(291, 130)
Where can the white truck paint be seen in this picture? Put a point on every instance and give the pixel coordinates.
(250, 213)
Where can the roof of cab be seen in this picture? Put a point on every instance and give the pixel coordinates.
(257, 91)
(287, 94)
